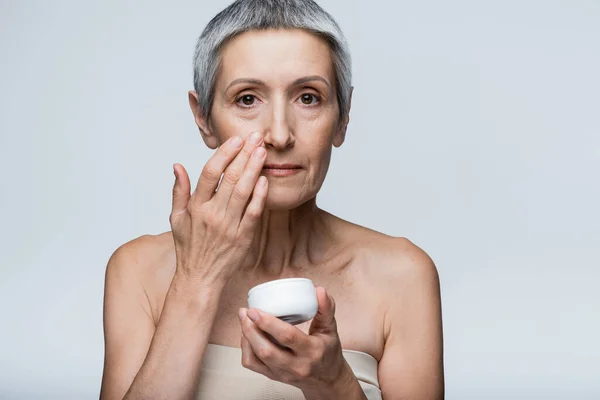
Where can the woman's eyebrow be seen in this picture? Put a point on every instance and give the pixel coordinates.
(297, 82)
(246, 80)
(300, 81)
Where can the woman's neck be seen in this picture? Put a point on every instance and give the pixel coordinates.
(290, 240)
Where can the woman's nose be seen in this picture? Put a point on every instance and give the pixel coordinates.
(278, 132)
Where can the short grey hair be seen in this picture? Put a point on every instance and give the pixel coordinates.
(245, 15)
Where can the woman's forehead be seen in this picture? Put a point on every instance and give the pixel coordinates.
(276, 56)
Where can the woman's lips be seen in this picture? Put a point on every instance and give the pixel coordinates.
(281, 166)
(281, 169)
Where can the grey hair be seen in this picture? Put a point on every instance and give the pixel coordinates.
(245, 15)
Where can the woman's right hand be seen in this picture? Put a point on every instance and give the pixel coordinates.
(213, 230)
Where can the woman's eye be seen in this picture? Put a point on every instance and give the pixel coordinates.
(308, 99)
(247, 99)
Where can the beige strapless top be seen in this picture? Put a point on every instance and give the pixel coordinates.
(223, 377)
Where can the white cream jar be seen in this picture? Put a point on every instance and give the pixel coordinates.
(293, 300)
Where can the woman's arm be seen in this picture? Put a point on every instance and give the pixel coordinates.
(213, 231)
(144, 362)
(412, 362)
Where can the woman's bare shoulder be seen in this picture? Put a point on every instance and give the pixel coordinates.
(148, 260)
(392, 272)
(388, 260)
(146, 253)
(146, 263)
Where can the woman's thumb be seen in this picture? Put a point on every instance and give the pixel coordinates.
(324, 320)
(181, 189)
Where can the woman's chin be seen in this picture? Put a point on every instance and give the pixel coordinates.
(279, 204)
(278, 200)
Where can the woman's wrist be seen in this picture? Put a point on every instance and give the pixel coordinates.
(196, 291)
(346, 387)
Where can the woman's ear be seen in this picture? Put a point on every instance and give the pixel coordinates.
(210, 139)
(340, 135)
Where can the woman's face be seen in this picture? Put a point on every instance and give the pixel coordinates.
(280, 83)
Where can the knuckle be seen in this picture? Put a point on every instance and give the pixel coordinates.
(175, 220)
(231, 176)
(210, 217)
(288, 337)
(248, 150)
(239, 193)
(264, 353)
(231, 235)
(225, 152)
(210, 172)
(246, 361)
(252, 213)
(229, 152)
(303, 371)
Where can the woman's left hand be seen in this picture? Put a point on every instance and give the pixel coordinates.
(313, 363)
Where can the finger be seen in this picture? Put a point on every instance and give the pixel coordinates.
(269, 353)
(324, 320)
(214, 168)
(181, 189)
(255, 207)
(245, 186)
(250, 361)
(235, 170)
(284, 333)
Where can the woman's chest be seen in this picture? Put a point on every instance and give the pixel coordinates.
(358, 313)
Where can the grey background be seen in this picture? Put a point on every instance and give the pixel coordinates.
(475, 132)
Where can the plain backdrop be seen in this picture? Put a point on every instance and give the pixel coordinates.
(475, 133)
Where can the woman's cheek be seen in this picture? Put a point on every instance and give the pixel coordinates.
(324, 114)
(242, 122)
(309, 112)
(321, 123)
(247, 114)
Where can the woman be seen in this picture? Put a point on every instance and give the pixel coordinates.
(272, 95)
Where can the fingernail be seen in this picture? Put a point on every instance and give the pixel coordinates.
(242, 313)
(255, 138)
(236, 141)
(252, 314)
